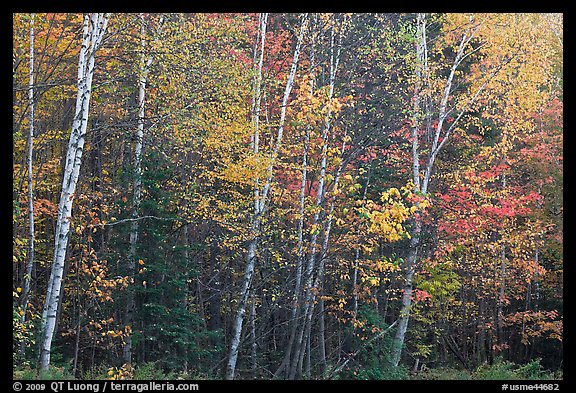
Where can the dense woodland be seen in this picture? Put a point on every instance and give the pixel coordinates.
(287, 196)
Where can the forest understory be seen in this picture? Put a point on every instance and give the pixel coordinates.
(281, 196)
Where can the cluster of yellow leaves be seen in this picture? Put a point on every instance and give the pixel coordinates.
(246, 169)
(311, 106)
(124, 372)
(385, 265)
(99, 285)
(387, 221)
(23, 331)
(104, 328)
(373, 281)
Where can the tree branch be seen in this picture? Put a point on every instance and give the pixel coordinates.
(133, 219)
(341, 367)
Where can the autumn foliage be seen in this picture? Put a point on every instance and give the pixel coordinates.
(413, 178)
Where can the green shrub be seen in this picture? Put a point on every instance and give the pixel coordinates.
(382, 374)
(97, 373)
(533, 370)
(505, 370)
(443, 374)
(24, 373)
(152, 371)
(53, 373)
(372, 362)
(500, 370)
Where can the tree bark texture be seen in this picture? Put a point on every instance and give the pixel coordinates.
(94, 27)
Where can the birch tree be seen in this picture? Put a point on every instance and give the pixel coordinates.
(94, 27)
(255, 222)
(440, 136)
(415, 239)
(145, 64)
(261, 195)
(297, 295)
(309, 283)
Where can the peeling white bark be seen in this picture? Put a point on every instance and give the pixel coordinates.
(94, 27)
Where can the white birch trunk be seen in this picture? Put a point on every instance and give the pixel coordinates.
(406, 304)
(94, 28)
(316, 287)
(297, 295)
(260, 206)
(255, 224)
(253, 344)
(296, 363)
(137, 190)
(422, 187)
(287, 91)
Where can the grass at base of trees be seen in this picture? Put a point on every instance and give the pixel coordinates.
(499, 370)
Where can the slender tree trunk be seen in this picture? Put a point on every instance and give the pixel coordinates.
(297, 296)
(523, 347)
(437, 144)
(93, 30)
(186, 292)
(253, 345)
(357, 257)
(322, 331)
(308, 365)
(260, 204)
(406, 304)
(501, 292)
(77, 343)
(137, 189)
(422, 186)
(280, 132)
(482, 332)
(31, 238)
(136, 196)
(318, 282)
(255, 224)
(215, 298)
(404, 317)
(308, 276)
